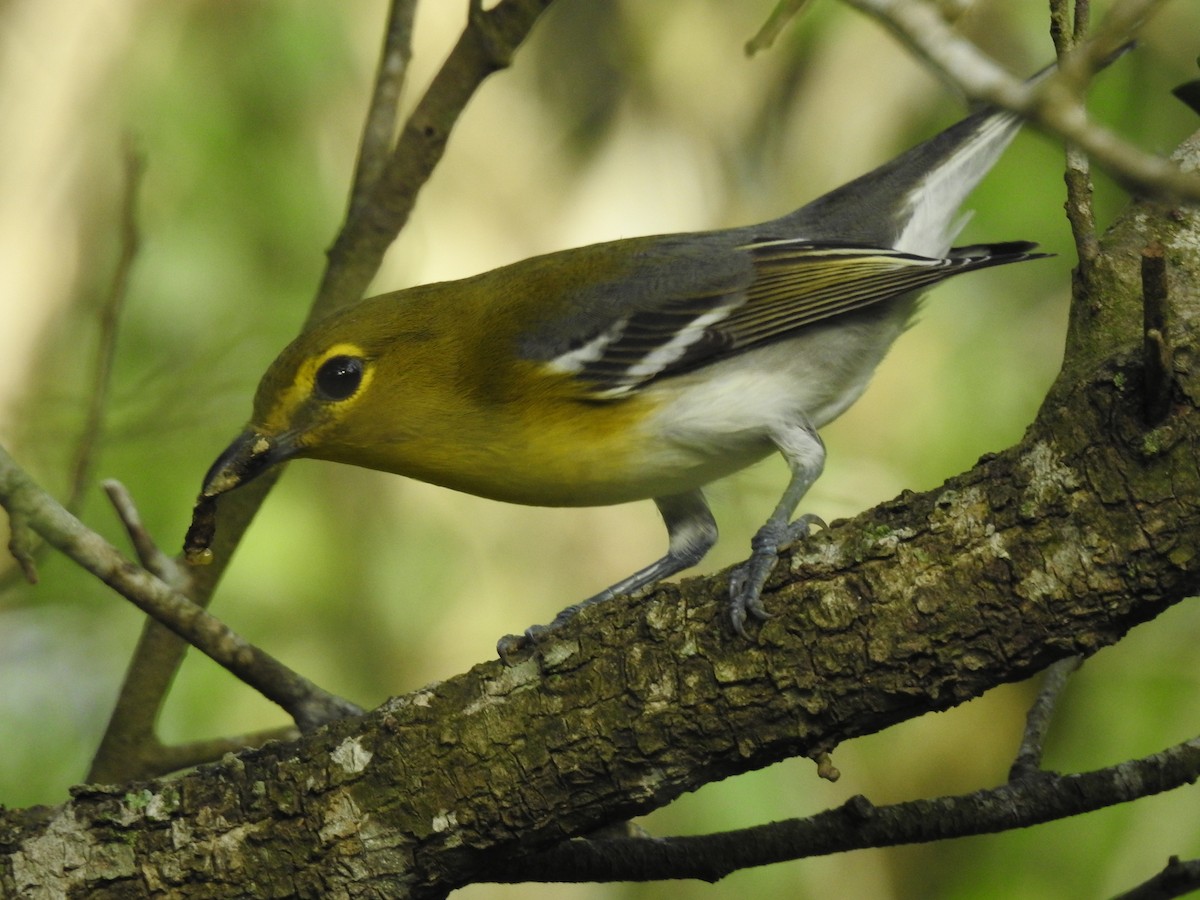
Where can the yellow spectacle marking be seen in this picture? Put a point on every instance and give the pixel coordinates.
(299, 392)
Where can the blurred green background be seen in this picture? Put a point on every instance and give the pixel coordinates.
(617, 119)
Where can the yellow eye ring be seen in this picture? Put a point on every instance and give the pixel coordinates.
(339, 377)
(339, 374)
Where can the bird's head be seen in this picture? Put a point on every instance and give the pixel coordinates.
(341, 391)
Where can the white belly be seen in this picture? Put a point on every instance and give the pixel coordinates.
(724, 417)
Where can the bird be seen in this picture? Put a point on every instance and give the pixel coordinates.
(640, 368)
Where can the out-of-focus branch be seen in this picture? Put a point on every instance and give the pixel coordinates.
(1053, 103)
(485, 46)
(379, 129)
(781, 15)
(383, 198)
(108, 315)
(108, 318)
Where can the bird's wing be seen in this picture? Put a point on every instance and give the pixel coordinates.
(795, 284)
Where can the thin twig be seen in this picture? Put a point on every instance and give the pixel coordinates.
(379, 129)
(108, 319)
(485, 46)
(151, 557)
(1067, 34)
(783, 12)
(1178, 879)
(858, 824)
(24, 546)
(1028, 761)
(308, 704)
(1050, 104)
(171, 758)
(25, 550)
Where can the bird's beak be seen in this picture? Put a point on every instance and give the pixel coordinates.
(250, 454)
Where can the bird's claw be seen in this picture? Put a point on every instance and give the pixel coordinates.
(745, 591)
(512, 646)
(747, 581)
(802, 528)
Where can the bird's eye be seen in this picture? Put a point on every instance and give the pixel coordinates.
(339, 377)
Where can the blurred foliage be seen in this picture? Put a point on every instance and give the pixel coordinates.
(619, 118)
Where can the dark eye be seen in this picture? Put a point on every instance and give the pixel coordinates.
(339, 377)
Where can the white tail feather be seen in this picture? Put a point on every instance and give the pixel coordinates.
(933, 220)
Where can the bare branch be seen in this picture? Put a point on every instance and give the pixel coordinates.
(858, 824)
(486, 46)
(24, 549)
(26, 502)
(109, 316)
(23, 546)
(151, 557)
(162, 758)
(1052, 104)
(784, 12)
(1176, 880)
(379, 130)
(129, 748)
(1037, 721)
(1066, 33)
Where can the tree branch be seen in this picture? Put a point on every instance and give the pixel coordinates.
(129, 747)
(1053, 548)
(1051, 104)
(26, 503)
(857, 825)
(1176, 880)
(486, 46)
(379, 129)
(1037, 721)
(108, 316)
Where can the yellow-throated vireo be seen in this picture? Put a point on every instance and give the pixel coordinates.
(640, 368)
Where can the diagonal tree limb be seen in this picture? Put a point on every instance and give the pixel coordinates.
(1053, 548)
(25, 501)
(485, 46)
(1177, 879)
(130, 747)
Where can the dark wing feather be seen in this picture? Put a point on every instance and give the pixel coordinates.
(801, 283)
(796, 284)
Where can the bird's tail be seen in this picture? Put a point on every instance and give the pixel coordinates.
(912, 203)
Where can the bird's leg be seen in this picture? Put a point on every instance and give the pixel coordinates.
(691, 532)
(804, 451)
